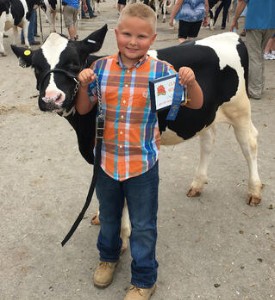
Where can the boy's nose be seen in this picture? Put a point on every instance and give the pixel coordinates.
(133, 41)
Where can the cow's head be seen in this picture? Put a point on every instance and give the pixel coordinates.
(56, 65)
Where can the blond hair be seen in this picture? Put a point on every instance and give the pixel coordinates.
(141, 11)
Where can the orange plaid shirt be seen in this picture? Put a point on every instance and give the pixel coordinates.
(131, 139)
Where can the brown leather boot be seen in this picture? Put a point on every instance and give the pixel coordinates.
(136, 293)
(104, 274)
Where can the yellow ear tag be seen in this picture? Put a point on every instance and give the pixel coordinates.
(27, 52)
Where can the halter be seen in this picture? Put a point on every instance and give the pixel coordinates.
(69, 75)
(100, 122)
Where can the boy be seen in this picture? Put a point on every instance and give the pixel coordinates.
(129, 166)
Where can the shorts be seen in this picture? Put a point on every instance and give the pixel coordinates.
(188, 29)
(123, 2)
(70, 15)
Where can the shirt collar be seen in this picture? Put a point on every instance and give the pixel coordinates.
(136, 65)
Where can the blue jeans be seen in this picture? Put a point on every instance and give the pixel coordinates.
(32, 30)
(141, 194)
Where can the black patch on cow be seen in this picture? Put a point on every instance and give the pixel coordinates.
(218, 86)
(84, 126)
(53, 4)
(243, 54)
(4, 6)
(17, 11)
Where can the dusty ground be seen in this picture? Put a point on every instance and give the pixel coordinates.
(212, 247)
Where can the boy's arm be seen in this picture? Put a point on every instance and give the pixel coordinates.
(83, 104)
(195, 95)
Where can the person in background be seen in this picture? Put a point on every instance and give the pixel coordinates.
(90, 11)
(120, 5)
(269, 50)
(224, 5)
(259, 26)
(70, 12)
(190, 14)
(32, 30)
(130, 146)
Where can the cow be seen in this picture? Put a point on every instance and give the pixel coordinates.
(14, 14)
(220, 63)
(51, 7)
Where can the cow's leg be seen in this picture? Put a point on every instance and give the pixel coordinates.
(164, 10)
(95, 219)
(207, 139)
(125, 228)
(15, 35)
(246, 134)
(2, 26)
(53, 19)
(25, 31)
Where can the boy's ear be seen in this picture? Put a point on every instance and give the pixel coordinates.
(153, 38)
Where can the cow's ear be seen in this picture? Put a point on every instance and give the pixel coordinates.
(95, 40)
(24, 55)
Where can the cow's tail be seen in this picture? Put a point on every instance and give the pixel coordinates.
(243, 53)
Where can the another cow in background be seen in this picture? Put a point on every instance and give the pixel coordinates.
(14, 14)
(51, 8)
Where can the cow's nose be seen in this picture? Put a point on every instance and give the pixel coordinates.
(54, 97)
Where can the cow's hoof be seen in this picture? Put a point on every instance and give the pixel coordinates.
(3, 54)
(193, 193)
(95, 220)
(163, 21)
(253, 200)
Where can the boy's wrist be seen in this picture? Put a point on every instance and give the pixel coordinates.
(83, 85)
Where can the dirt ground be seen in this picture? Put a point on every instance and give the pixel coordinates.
(212, 247)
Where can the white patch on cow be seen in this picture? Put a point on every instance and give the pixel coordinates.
(152, 53)
(224, 44)
(52, 48)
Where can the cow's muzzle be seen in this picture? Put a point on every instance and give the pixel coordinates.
(54, 103)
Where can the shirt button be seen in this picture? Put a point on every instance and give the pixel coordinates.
(124, 101)
(122, 117)
(120, 146)
(121, 132)
(126, 85)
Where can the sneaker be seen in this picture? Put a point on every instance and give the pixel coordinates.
(104, 274)
(254, 97)
(136, 293)
(243, 33)
(268, 56)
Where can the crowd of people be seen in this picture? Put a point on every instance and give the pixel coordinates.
(191, 15)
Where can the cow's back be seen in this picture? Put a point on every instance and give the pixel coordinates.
(220, 64)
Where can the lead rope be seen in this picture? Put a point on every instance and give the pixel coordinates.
(99, 137)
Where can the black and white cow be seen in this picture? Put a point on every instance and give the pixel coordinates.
(220, 63)
(51, 8)
(14, 14)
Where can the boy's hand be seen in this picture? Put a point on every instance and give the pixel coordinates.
(186, 76)
(86, 76)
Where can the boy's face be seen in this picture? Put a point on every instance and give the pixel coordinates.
(134, 38)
